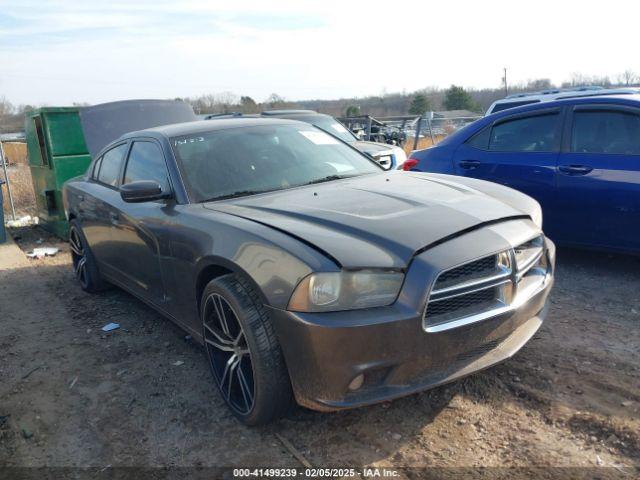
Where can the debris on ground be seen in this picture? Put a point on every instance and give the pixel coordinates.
(177, 363)
(25, 221)
(43, 252)
(26, 375)
(110, 326)
(293, 451)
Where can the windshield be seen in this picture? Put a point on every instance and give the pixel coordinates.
(247, 160)
(328, 124)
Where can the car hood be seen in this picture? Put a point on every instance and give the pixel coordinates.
(377, 220)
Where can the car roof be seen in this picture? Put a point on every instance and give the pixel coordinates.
(577, 91)
(186, 128)
(617, 99)
(545, 96)
(289, 112)
(471, 129)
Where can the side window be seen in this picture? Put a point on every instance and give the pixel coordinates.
(146, 162)
(481, 139)
(602, 131)
(96, 168)
(528, 134)
(110, 165)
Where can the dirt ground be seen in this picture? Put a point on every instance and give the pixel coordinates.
(74, 396)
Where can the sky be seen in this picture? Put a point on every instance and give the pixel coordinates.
(61, 51)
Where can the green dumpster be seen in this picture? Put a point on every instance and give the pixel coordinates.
(62, 140)
(57, 152)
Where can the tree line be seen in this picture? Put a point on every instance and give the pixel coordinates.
(386, 104)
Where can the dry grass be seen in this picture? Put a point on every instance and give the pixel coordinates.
(24, 199)
(16, 152)
(422, 143)
(22, 190)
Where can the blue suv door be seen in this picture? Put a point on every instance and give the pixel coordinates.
(519, 151)
(599, 176)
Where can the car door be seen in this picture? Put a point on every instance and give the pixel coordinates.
(97, 207)
(140, 228)
(599, 176)
(519, 151)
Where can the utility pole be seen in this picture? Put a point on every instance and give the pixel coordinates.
(506, 88)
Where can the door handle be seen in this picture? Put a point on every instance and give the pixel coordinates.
(114, 217)
(575, 169)
(469, 164)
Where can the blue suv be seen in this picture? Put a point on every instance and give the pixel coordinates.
(579, 157)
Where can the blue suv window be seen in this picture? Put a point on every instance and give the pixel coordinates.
(481, 139)
(525, 134)
(605, 132)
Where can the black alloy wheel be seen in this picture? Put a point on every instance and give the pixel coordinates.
(244, 354)
(229, 354)
(78, 256)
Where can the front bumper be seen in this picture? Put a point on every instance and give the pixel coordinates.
(390, 347)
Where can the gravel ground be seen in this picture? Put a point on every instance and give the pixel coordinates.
(74, 396)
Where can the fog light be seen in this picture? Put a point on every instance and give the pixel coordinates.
(356, 383)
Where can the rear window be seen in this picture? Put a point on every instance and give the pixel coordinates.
(481, 139)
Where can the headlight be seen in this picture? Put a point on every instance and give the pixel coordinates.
(330, 292)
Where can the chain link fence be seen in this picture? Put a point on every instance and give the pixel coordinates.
(412, 132)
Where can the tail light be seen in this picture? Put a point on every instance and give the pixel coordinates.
(410, 163)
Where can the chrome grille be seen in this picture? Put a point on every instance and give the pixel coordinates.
(469, 271)
(485, 287)
(461, 303)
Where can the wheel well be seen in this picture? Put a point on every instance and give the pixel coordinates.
(207, 274)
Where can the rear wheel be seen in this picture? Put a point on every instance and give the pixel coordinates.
(243, 352)
(84, 264)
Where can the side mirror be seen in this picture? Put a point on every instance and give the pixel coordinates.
(142, 191)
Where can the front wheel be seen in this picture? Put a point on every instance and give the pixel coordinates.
(243, 352)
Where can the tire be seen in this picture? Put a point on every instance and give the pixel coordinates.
(243, 353)
(84, 263)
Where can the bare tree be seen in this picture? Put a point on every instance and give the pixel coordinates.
(628, 77)
(6, 107)
(275, 101)
(581, 80)
(539, 84)
(249, 105)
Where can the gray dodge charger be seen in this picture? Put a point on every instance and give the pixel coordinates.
(305, 270)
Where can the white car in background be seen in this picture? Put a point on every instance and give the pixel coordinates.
(520, 99)
(389, 157)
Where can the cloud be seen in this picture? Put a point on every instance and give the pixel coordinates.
(61, 51)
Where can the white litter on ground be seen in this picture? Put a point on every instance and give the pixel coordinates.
(23, 221)
(110, 326)
(43, 252)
